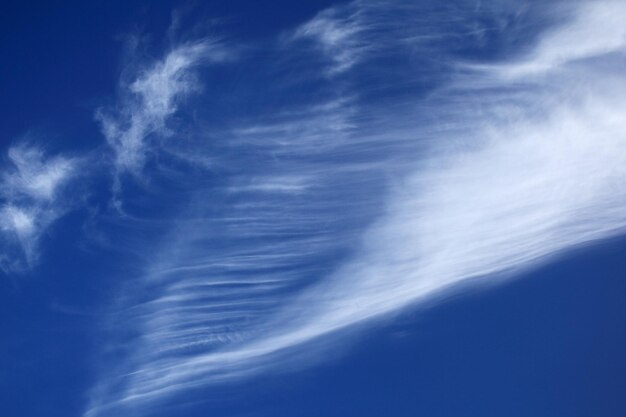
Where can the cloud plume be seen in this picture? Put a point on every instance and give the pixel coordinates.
(510, 164)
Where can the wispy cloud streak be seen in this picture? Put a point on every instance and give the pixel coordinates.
(595, 31)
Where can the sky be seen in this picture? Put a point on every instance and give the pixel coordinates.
(319, 208)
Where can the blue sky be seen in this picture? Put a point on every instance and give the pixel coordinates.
(366, 208)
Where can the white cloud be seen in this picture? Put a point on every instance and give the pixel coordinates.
(353, 34)
(34, 175)
(17, 220)
(31, 202)
(149, 100)
(337, 31)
